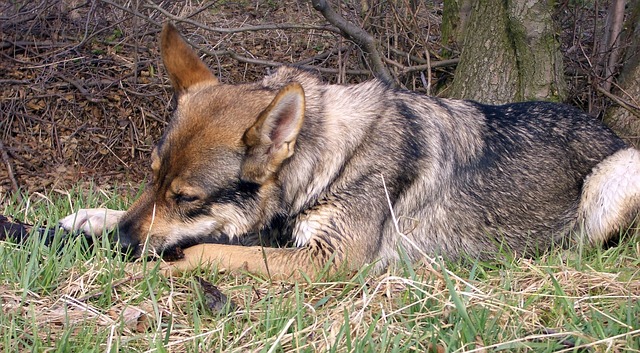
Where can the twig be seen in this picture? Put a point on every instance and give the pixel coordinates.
(358, 35)
(633, 109)
(247, 60)
(13, 82)
(23, 44)
(434, 64)
(406, 55)
(133, 12)
(23, 162)
(113, 286)
(12, 177)
(271, 26)
(319, 57)
(80, 88)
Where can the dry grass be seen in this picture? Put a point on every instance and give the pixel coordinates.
(76, 299)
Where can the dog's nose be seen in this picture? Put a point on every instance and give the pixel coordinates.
(128, 244)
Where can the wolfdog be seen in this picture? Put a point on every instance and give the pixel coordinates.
(351, 174)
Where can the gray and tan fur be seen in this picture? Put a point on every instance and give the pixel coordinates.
(326, 161)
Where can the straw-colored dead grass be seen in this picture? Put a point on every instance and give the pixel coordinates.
(525, 300)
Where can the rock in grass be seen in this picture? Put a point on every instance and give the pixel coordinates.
(214, 300)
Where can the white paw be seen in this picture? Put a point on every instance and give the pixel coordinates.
(92, 221)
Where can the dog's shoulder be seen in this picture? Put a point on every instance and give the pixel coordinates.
(287, 74)
(313, 83)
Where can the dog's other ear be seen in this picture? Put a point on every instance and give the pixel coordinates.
(272, 137)
(183, 65)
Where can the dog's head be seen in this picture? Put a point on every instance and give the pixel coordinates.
(215, 169)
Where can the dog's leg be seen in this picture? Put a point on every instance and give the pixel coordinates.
(611, 196)
(275, 262)
(331, 236)
(92, 221)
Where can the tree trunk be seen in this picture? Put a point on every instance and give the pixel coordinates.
(509, 53)
(624, 119)
(455, 15)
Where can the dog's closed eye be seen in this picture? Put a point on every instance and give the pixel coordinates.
(185, 198)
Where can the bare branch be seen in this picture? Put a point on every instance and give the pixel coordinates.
(358, 35)
(615, 20)
(633, 109)
(434, 64)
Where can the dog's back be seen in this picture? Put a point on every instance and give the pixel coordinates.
(463, 179)
(514, 180)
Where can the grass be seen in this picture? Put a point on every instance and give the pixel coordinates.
(70, 298)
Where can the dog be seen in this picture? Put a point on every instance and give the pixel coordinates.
(350, 175)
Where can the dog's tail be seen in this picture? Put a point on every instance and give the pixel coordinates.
(611, 196)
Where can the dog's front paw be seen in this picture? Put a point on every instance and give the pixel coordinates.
(92, 221)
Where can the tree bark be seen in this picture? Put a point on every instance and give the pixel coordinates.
(624, 118)
(455, 15)
(509, 53)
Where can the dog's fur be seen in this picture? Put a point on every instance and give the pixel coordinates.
(353, 173)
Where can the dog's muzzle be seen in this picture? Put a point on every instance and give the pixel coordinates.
(128, 244)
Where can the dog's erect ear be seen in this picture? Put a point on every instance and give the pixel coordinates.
(183, 65)
(272, 137)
